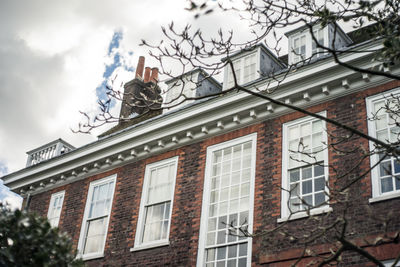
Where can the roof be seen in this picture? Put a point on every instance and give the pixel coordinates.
(262, 46)
(305, 26)
(193, 71)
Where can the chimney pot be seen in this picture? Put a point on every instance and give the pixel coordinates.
(140, 67)
(147, 74)
(154, 75)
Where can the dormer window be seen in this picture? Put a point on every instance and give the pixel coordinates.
(303, 47)
(245, 70)
(299, 48)
(249, 65)
(195, 83)
(249, 72)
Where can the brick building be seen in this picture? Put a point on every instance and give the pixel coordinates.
(168, 189)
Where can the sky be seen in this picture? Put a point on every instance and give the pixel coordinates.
(56, 57)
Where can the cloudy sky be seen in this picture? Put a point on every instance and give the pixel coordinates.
(56, 57)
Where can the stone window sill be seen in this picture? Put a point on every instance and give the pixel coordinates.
(384, 197)
(304, 214)
(149, 246)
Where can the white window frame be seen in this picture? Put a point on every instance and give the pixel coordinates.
(309, 42)
(82, 235)
(389, 263)
(139, 245)
(285, 212)
(241, 60)
(376, 194)
(52, 199)
(206, 192)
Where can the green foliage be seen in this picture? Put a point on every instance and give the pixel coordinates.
(27, 239)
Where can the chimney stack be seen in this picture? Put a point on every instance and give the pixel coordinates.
(154, 75)
(140, 67)
(147, 75)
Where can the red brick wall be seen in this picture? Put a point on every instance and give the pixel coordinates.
(185, 223)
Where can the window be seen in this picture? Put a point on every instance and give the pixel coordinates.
(55, 207)
(96, 217)
(304, 166)
(249, 73)
(382, 125)
(228, 203)
(319, 35)
(245, 69)
(302, 45)
(299, 48)
(156, 204)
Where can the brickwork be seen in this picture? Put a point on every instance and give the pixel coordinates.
(272, 249)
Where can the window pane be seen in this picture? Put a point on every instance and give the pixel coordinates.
(397, 182)
(95, 236)
(319, 184)
(217, 157)
(382, 135)
(305, 129)
(294, 190)
(380, 122)
(294, 145)
(212, 224)
(318, 170)
(221, 253)
(232, 251)
(210, 239)
(307, 202)
(306, 173)
(294, 175)
(386, 185)
(317, 126)
(319, 198)
(245, 189)
(243, 249)
(317, 140)
(210, 254)
(294, 133)
(385, 168)
(231, 263)
(221, 237)
(156, 223)
(307, 187)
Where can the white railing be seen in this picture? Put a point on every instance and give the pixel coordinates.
(48, 151)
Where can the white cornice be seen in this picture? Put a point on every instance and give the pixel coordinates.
(317, 83)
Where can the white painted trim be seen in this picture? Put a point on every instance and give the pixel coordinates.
(85, 216)
(52, 199)
(285, 213)
(149, 246)
(91, 256)
(206, 192)
(304, 214)
(376, 195)
(139, 229)
(389, 263)
(384, 197)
